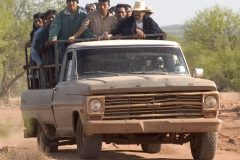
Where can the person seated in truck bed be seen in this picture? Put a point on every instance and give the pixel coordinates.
(101, 22)
(139, 24)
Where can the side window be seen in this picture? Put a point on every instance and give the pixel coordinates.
(68, 68)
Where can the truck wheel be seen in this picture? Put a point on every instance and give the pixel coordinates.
(151, 148)
(89, 147)
(44, 143)
(203, 145)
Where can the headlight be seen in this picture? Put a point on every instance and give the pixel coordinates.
(95, 105)
(211, 101)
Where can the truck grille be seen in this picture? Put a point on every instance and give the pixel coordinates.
(152, 106)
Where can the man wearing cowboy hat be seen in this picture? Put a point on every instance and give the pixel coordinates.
(139, 24)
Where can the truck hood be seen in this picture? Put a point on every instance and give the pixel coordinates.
(140, 84)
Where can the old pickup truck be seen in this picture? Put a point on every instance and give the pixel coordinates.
(124, 92)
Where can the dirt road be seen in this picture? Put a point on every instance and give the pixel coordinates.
(14, 146)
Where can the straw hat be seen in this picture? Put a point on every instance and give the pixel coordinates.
(148, 9)
(139, 6)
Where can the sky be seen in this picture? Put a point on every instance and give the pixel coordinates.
(168, 12)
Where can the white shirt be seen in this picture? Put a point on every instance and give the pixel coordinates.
(139, 24)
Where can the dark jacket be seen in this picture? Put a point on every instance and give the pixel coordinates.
(128, 27)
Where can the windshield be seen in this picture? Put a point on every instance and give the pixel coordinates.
(129, 60)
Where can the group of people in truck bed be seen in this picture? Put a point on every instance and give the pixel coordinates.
(96, 20)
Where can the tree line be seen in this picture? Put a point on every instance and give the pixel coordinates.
(211, 41)
(15, 27)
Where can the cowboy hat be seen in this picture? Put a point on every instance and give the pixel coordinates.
(148, 9)
(139, 6)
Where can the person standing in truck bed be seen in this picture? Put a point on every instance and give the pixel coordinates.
(36, 21)
(42, 45)
(129, 10)
(66, 24)
(35, 56)
(121, 12)
(46, 50)
(90, 7)
(101, 22)
(139, 24)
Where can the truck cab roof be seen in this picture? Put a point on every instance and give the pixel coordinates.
(114, 43)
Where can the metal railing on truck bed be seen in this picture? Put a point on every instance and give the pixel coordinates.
(47, 75)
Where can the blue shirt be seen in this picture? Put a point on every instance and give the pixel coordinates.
(34, 54)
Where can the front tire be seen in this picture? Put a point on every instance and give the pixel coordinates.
(151, 148)
(89, 147)
(44, 143)
(203, 145)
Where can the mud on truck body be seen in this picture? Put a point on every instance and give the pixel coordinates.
(124, 92)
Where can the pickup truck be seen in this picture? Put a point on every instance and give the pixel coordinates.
(124, 92)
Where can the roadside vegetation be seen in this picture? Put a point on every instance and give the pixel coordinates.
(210, 40)
(15, 27)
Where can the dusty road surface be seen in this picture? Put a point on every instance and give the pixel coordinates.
(14, 147)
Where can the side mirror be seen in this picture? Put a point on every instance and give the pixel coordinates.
(197, 72)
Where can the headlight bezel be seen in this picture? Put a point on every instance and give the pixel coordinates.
(95, 105)
(96, 99)
(208, 99)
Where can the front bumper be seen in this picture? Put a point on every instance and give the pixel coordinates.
(152, 126)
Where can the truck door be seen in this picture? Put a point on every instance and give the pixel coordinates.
(62, 106)
(36, 104)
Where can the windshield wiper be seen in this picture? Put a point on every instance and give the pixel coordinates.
(149, 72)
(99, 72)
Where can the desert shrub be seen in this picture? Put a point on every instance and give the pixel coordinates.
(236, 84)
(212, 41)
